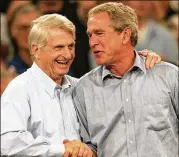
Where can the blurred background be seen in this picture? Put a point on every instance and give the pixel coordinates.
(158, 31)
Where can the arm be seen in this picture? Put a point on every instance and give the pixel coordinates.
(22, 143)
(80, 106)
(16, 134)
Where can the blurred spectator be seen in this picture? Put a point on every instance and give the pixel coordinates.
(51, 6)
(163, 10)
(6, 45)
(12, 7)
(174, 6)
(153, 35)
(81, 63)
(19, 29)
(5, 40)
(172, 9)
(7, 74)
(4, 53)
(173, 26)
(159, 11)
(3, 65)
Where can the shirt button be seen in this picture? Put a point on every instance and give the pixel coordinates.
(129, 120)
(127, 99)
(45, 143)
(130, 142)
(125, 80)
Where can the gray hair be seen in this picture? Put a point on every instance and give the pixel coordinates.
(40, 29)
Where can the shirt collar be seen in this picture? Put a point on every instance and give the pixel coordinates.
(46, 82)
(138, 63)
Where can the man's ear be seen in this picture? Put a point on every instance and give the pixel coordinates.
(126, 35)
(35, 51)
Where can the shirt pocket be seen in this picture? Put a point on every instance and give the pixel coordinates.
(155, 111)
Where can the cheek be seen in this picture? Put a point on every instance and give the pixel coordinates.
(73, 54)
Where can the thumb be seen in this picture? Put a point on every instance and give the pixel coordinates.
(65, 141)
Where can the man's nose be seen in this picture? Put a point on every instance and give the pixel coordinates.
(93, 41)
(67, 53)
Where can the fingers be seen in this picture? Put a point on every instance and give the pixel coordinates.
(65, 141)
(75, 152)
(66, 154)
(148, 60)
(158, 59)
(151, 58)
(81, 152)
(76, 148)
(93, 153)
(147, 54)
(143, 52)
(87, 154)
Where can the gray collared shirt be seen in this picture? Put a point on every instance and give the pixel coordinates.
(37, 115)
(131, 116)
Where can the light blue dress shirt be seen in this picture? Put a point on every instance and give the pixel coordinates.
(37, 115)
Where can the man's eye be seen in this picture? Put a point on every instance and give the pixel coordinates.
(89, 35)
(99, 33)
(58, 47)
(71, 46)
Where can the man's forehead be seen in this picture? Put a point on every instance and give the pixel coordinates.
(98, 24)
(101, 17)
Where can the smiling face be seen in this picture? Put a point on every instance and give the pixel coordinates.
(104, 41)
(58, 54)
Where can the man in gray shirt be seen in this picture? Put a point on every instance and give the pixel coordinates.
(124, 109)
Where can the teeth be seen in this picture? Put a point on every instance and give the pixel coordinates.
(62, 62)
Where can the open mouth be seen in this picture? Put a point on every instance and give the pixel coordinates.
(97, 52)
(62, 62)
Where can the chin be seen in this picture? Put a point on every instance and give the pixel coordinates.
(64, 72)
(99, 62)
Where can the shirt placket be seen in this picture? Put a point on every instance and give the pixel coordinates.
(128, 111)
(59, 97)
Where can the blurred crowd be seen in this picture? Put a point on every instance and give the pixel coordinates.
(158, 31)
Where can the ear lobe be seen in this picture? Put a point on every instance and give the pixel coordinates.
(34, 50)
(126, 35)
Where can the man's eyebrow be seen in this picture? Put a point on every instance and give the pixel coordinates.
(95, 30)
(72, 43)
